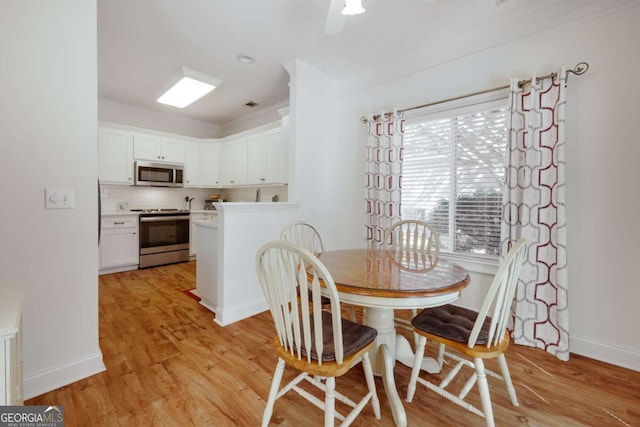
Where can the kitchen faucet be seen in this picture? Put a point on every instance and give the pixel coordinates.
(258, 195)
(188, 200)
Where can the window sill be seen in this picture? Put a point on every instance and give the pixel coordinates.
(473, 264)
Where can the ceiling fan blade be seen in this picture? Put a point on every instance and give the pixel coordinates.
(335, 20)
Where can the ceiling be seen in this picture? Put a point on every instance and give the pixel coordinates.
(142, 43)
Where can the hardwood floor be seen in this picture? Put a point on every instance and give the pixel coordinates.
(168, 364)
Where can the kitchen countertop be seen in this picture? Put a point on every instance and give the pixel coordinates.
(207, 211)
(120, 213)
(235, 206)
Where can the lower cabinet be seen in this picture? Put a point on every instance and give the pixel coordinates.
(119, 247)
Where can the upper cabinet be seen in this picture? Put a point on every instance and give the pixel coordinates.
(233, 162)
(202, 164)
(257, 157)
(157, 148)
(115, 156)
(209, 164)
(264, 157)
(191, 168)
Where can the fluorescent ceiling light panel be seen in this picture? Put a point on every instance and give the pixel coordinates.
(353, 7)
(187, 86)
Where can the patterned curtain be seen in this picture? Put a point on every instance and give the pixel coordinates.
(534, 208)
(383, 175)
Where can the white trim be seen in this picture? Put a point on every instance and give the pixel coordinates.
(50, 379)
(229, 316)
(466, 105)
(610, 353)
(234, 207)
(117, 269)
(471, 264)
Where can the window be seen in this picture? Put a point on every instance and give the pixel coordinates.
(452, 173)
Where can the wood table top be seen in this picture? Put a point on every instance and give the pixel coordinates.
(381, 273)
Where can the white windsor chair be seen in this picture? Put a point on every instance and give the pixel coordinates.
(320, 344)
(304, 234)
(477, 335)
(417, 245)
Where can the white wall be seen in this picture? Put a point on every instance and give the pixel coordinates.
(602, 152)
(48, 135)
(323, 173)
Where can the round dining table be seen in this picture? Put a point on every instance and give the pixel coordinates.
(381, 281)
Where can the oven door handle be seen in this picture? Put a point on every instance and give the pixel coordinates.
(164, 218)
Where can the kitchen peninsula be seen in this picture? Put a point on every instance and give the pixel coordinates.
(226, 279)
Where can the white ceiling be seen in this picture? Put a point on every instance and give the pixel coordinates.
(141, 43)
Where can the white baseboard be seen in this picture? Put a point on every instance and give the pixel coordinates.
(228, 316)
(50, 379)
(117, 269)
(616, 355)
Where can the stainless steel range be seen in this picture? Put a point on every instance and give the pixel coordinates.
(164, 236)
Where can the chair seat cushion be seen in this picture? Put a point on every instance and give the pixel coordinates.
(354, 337)
(451, 322)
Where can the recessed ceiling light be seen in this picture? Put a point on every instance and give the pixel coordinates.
(245, 59)
(187, 86)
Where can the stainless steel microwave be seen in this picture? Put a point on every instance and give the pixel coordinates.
(152, 174)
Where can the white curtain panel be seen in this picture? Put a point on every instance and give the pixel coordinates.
(383, 175)
(534, 208)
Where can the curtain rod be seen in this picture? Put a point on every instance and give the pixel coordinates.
(578, 70)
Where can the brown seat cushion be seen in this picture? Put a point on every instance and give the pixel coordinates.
(451, 322)
(354, 337)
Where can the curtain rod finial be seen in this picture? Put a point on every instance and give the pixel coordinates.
(580, 68)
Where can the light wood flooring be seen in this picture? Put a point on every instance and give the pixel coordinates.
(168, 364)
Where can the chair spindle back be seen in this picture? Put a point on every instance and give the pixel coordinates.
(284, 271)
(499, 298)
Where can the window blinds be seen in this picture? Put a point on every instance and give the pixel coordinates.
(452, 175)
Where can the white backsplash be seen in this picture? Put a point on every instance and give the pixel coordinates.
(115, 196)
(248, 194)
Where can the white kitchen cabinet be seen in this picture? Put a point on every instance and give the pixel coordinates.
(264, 158)
(209, 166)
(157, 148)
(119, 243)
(191, 164)
(115, 156)
(202, 164)
(233, 162)
(198, 216)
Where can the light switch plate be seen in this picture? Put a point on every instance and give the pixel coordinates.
(58, 199)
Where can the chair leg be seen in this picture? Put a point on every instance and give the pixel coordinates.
(273, 392)
(415, 372)
(483, 388)
(507, 379)
(416, 337)
(329, 402)
(371, 384)
(441, 350)
(352, 313)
